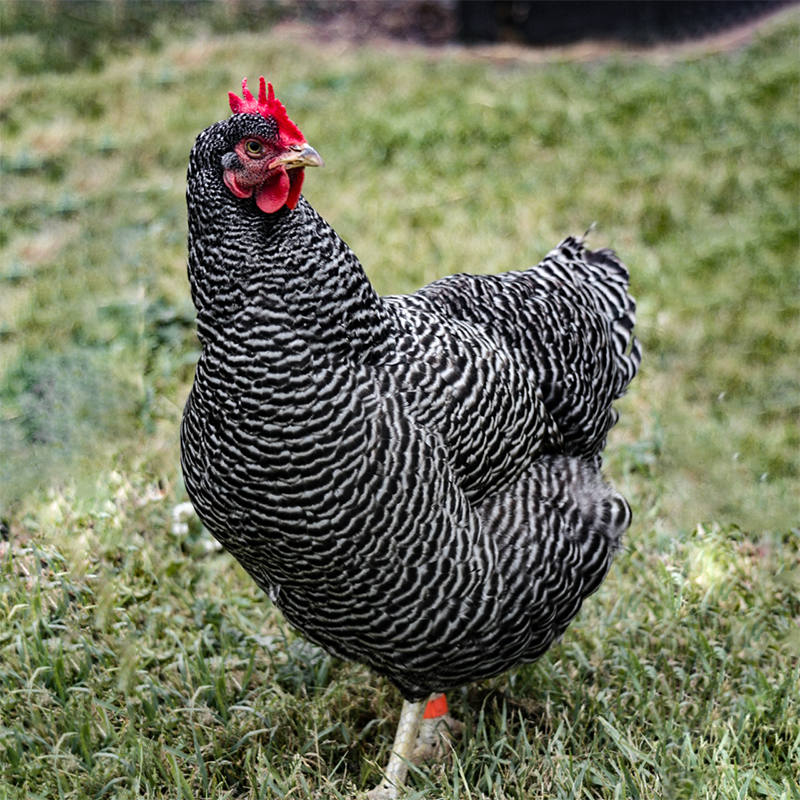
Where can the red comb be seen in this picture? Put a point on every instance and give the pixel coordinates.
(267, 105)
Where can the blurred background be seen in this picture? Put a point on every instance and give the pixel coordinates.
(670, 125)
(82, 29)
(137, 660)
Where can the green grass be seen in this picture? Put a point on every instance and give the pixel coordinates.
(138, 661)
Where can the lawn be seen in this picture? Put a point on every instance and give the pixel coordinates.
(137, 660)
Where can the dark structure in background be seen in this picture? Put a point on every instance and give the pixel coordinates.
(76, 33)
(544, 22)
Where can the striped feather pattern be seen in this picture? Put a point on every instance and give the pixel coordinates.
(413, 480)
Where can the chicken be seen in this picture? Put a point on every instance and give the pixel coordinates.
(414, 480)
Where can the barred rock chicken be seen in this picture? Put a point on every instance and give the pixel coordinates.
(414, 481)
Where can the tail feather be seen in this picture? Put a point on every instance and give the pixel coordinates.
(569, 319)
(609, 280)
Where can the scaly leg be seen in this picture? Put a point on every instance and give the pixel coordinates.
(419, 738)
(402, 749)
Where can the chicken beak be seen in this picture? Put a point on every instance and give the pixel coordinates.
(299, 155)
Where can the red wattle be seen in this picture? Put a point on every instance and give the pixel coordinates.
(296, 180)
(273, 193)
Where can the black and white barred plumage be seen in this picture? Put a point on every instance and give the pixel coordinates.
(413, 480)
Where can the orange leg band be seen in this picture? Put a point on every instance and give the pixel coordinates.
(437, 707)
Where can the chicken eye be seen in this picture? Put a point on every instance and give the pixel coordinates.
(253, 147)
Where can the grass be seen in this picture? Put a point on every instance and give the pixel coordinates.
(136, 660)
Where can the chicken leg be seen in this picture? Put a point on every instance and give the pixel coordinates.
(404, 742)
(418, 735)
